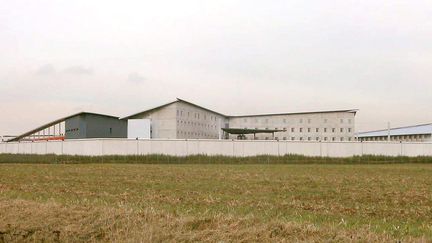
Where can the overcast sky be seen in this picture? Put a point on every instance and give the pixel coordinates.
(236, 57)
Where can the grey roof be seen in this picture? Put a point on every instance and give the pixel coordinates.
(408, 130)
(235, 116)
(55, 122)
(167, 104)
(298, 113)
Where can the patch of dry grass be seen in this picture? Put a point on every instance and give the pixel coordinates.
(51, 222)
(262, 203)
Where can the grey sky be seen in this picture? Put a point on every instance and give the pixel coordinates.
(237, 57)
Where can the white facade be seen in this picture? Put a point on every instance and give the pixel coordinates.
(183, 120)
(195, 122)
(316, 126)
(139, 128)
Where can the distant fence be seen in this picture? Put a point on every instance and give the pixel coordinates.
(237, 148)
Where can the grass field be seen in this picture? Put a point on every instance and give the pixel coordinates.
(215, 202)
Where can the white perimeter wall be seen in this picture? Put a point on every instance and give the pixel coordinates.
(216, 147)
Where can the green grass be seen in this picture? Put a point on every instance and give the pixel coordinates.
(203, 159)
(251, 201)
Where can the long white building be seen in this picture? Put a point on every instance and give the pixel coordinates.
(416, 133)
(181, 119)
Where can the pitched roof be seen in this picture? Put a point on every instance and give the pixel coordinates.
(233, 116)
(167, 104)
(298, 113)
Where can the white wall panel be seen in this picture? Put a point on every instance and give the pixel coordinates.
(216, 147)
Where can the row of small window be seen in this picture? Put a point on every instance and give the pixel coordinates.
(266, 120)
(396, 138)
(196, 124)
(333, 130)
(310, 138)
(196, 115)
(196, 134)
(72, 130)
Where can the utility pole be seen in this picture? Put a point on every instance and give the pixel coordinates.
(388, 131)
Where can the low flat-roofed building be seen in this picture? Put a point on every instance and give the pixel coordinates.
(416, 133)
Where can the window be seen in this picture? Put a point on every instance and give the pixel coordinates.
(325, 129)
(349, 129)
(349, 139)
(317, 138)
(325, 138)
(292, 138)
(284, 138)
(333, 129)
(317, 130)
(292, 129)
(341, 130)
(333, 139)
(309, 138)
(341, 139)
(309, 130)
(110, 130)
(301, 138)
(341, 120)
(301, 129)
(301, 120)
(178, 112)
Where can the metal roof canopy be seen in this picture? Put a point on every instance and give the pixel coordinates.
(250, 131)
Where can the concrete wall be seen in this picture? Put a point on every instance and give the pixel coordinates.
(95, 126)
(215, 147)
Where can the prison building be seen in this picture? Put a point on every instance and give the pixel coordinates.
(181, 119)
(416, 133)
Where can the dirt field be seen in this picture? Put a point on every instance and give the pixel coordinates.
(224, 203)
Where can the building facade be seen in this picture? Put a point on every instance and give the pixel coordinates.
(88, 125)
(181, 119)
(184, 120)
(307, 126)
